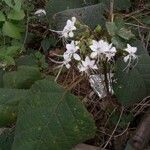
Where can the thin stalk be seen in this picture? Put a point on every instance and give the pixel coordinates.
(111, 10)
(105, 77)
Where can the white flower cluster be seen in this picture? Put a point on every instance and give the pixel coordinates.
(100, 51)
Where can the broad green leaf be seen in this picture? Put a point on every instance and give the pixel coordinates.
(118, 4)
(140, 47)
(118, 42)
(48, 43)
(15, 4)
(84, 14)
(146, 20)
(6, 139)
(11, 30)
(1, 77)
(51, 120)
(111, 28)
(11, 51)
(125, 34)
(23, 78)
(9, 3)
(55, 6)
(16, 15)
(6, 61)
(134, 85)
(2, 16)
(26, 60)
(9, 100)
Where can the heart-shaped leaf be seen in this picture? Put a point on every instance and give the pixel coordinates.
(2, 16)
(11, 30)
(134, 85)
(16, 15)
(9, 100)
(23, 78)
(51, 119)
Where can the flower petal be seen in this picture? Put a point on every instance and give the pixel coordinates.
(126, 58)
(76, 57)
(93, 55)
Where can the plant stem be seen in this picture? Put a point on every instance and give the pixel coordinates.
(105, 77)
(111, 10)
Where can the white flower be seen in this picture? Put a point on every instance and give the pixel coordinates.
(66, 62)
(40, 12)
(72, 48)
(100, 48)
(131, 53)
(69, 28)
(86, 65)
(111, 52)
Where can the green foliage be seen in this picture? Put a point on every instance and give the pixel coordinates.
(9, 100)
(120, 35)
(43, 120)
(11, 30)
(55, 6)
(50, 108)
(11, 17)
(83, 15)
(16, 15)
(124, 120)
(2, 17)
(48, 43)
(23, 78)
(6, 139)
(118, 4)
(134, 85)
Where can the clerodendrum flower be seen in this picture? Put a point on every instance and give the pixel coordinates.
(72, 48)
(87, 65)
(131, 53)
(40, 12)
(67, 32)
(69, 28)
(102, 48)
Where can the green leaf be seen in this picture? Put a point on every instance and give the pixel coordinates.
(9, 100)
(11, 51)
(1, 77)
(119, 4)
(55, 6)
(118, 42)
(27, 60)
(6, 61)
(16, 15)
(51, 120)
(6, 139)
(146, 20)
(125, 34)
(11, 30)
(111, 28)
(140, 47)
(134, 85)
(2, 16)
(84, 14)
(9, 3)
(48, 43)
(23, 78)
(15, 4)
